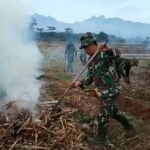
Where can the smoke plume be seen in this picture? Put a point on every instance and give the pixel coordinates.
(20, 59)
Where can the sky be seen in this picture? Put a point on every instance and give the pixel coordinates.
(70, 11)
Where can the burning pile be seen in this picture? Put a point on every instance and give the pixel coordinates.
(51, 130)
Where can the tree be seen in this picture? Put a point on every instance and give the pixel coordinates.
(102, 37)
(32, 23)
(51, 28)
(68, 32)
(39, 29)
(121, 40)
(51, 34)
(147, 41)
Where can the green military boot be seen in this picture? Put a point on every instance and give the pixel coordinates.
(124, 121)
(101, 138)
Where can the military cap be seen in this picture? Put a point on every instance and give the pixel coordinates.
(136, 61)
(87, 39)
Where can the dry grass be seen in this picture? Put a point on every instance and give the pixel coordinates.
(67, 127)
(87, 105)
(137, 110)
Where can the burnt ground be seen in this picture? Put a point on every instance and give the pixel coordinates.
(86, 104)
(135, 103)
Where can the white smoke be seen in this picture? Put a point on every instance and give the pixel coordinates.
(20, 58)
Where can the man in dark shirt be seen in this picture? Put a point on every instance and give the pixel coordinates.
(123, 67)
(83, 56)
(69, 54)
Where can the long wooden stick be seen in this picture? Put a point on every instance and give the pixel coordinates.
(76, 78)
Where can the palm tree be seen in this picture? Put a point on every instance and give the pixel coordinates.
(68, 32)
(32, 23)
(39, 30)
(51, 28)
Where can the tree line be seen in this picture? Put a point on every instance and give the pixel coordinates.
(52, 35)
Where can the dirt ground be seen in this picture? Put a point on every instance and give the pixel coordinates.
(136, 106)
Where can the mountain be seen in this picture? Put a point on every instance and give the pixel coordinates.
(115, 26)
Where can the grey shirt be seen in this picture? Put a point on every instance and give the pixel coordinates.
(70, 50)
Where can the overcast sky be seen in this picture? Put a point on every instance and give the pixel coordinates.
(78, 10)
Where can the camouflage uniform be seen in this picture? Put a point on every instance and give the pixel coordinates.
(104, 76)
(83, 57)
(123, 67)
(69, 52)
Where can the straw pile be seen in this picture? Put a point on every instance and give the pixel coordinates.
(47, 131)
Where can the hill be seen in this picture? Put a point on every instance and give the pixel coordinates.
(114, 26)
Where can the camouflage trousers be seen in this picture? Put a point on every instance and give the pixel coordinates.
(108, 109)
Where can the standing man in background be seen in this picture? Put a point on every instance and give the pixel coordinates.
(69, 54)
(83, 56)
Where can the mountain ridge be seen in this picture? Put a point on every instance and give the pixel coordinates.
(114, 26)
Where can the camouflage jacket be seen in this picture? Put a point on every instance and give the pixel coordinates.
(122, 66)
(103, 74)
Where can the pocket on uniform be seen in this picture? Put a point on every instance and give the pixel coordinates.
(108, 79)
(105, 87)
(99, 81)
(114, 75)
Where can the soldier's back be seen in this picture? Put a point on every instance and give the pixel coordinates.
(118, 61)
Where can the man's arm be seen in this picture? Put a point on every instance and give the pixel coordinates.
(127, 72)
(88, 80)
(66, 51)
(75, 50)
(121, 69)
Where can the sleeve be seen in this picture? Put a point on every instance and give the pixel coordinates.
(88, 80)
(66, 51)
(121, 68)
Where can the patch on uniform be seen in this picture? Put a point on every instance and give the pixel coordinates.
(97, 92)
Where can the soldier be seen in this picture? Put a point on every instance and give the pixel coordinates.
(123, 67)
(83, 56)
(69, 53)
(103, 74)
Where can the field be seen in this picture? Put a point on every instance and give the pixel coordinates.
(69, 126)
(136, 105)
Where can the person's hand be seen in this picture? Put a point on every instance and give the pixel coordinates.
(75, 84)
(103, 47)
(127, 80)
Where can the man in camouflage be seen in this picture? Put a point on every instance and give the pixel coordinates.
(103, 74)
(123, 67)
(69, 54)
(83, 56)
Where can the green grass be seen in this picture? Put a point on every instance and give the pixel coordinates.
(84, 119)
(63, 77)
